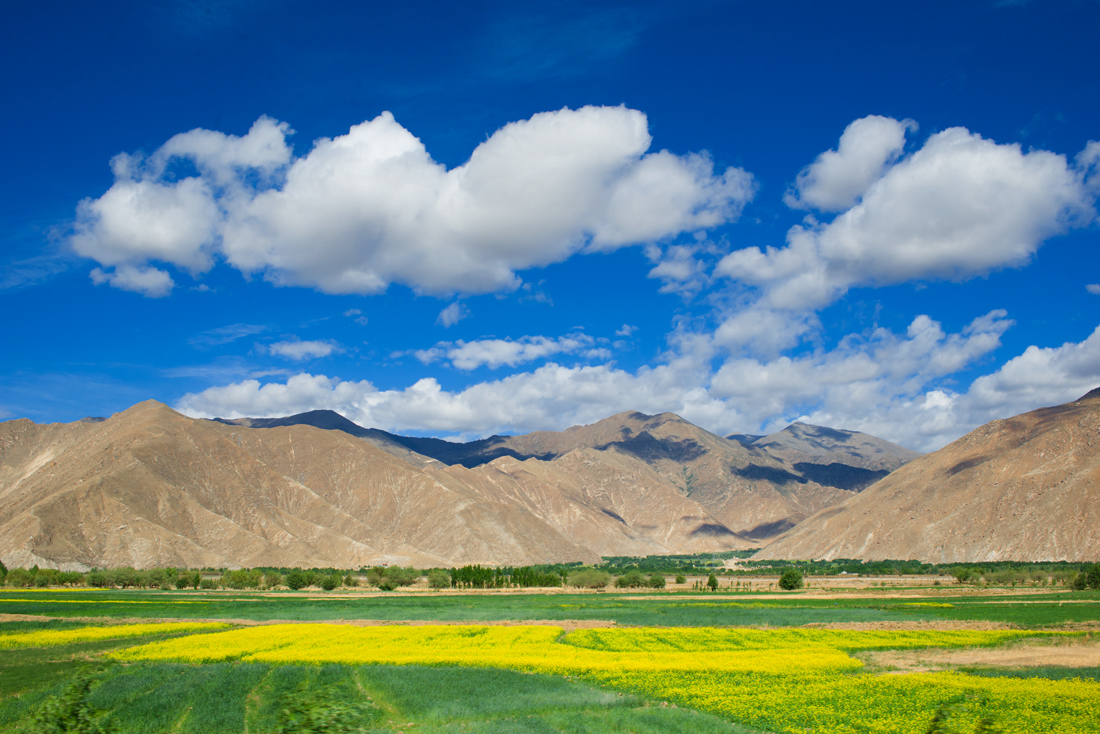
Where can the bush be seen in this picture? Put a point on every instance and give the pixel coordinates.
(273, 579)
(631, 580)
(208, 584)
(791, 579)
(589, 578)
(328, 583)
(439, 579)
(681, 578)
(1080, 582)
(657, 581)
(350, 580)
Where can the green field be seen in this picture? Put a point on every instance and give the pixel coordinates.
(663, 610)
(242, 696)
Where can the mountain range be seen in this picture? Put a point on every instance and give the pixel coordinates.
(151, 487)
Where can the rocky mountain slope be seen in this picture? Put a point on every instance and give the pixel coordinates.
(149, 487)
(1025, 488)
(833, 457)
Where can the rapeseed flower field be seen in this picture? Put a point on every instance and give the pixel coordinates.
(53, 638)
(783, 679)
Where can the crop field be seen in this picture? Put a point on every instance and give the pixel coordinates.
(669, 662)
(656, 610)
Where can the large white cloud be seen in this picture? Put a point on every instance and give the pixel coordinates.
(959, 207)
(371, 208)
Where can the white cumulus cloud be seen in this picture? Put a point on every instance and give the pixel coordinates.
(370, 208)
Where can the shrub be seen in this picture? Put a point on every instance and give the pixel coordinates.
(350, 580)
(681, 578)
(1092, 576)
(330, 582)
(631, 580)
(208, 584)
(791, 579)
(589, 578)
(439, 579)
(1080, 582)
(657, 581)
(273, 579)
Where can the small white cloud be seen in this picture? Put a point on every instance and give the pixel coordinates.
(150, 282)
(1093, 288)
(358, 315)
(627, 331)
(452, 314)
(494, 353)
(302, 350)
(837, 179)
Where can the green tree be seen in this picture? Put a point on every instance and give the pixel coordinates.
(712, 582)
(70, 713)
(791, 579)
(631, 580)
(681, 578)
(330, 582)
(439, 579)
(20, 578)
(1092, 576)
(296, 579)
(657, 581)
(589, 578)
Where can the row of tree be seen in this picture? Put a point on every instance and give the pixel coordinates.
(389, 578)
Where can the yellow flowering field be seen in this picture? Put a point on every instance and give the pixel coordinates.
(786, 679)
(52, 638)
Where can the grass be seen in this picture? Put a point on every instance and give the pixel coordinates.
(666, 610)
(226, 698)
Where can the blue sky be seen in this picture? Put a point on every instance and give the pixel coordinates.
(464, 219)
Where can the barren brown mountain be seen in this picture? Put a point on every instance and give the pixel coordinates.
(747, 491)
(1026, 488)
(150, 487)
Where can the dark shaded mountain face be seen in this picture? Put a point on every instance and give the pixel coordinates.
(1025, 488)
(832, 457)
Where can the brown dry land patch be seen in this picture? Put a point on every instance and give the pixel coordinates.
(1075, 653)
